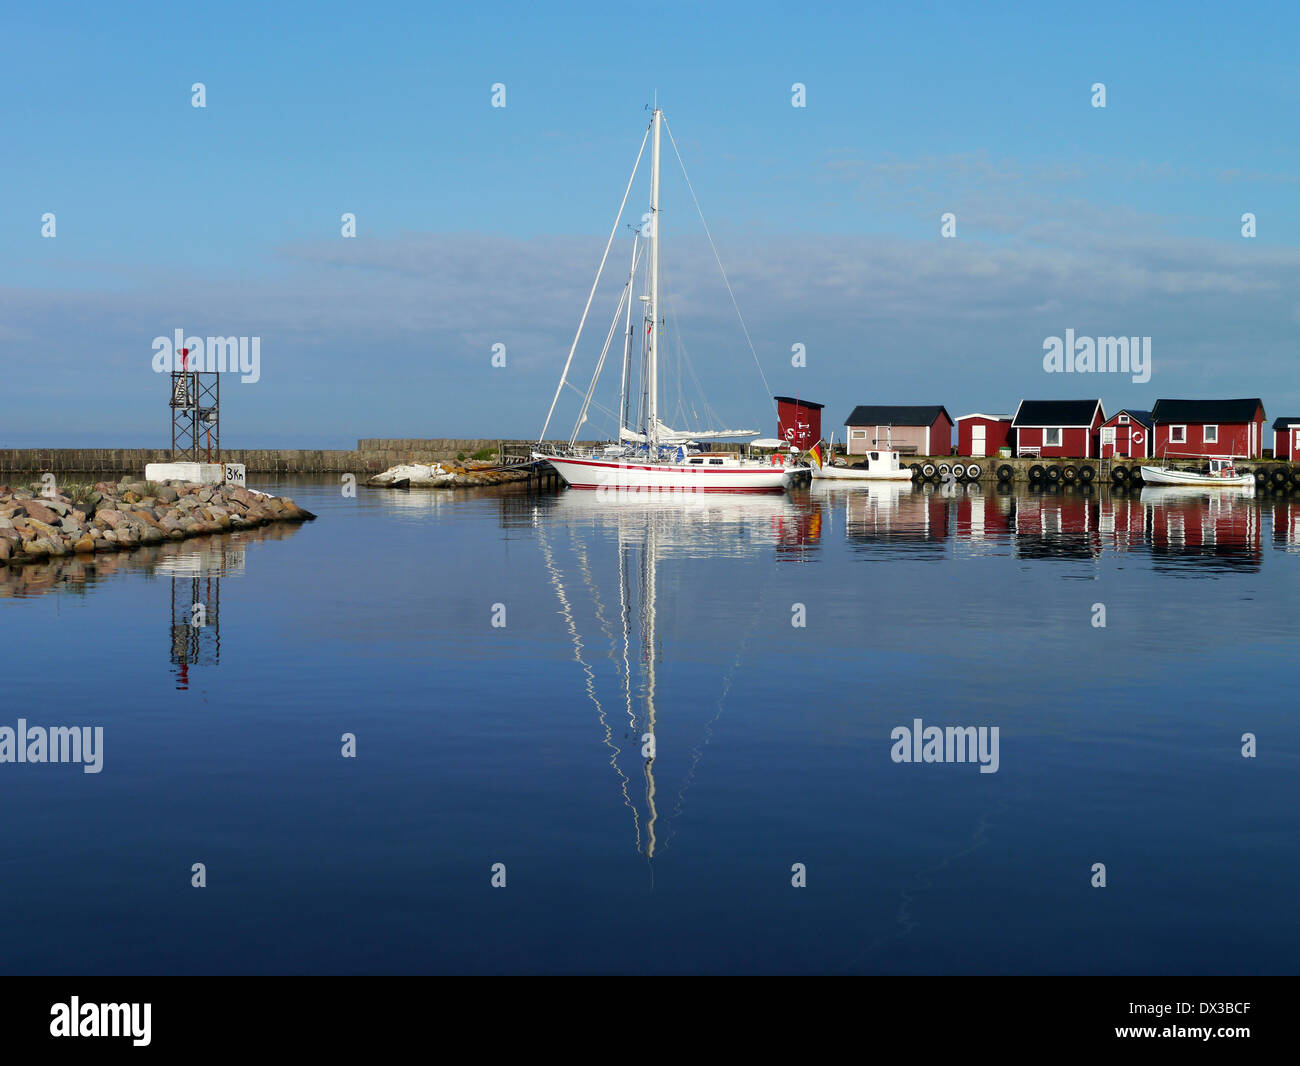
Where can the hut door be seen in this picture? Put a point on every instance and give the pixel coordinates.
(977, 440)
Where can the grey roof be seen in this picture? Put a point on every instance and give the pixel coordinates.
(886, 415)
(1142, 416)
(1283, 423)
(1212, 411)
(1055, 413)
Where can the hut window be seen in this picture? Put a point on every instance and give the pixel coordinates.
(1177, 434)
(1211, 434)
(1051, 438)
(1123, 420)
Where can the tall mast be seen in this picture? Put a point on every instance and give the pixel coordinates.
(652, 402)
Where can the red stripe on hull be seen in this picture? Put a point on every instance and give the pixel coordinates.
(647, 489)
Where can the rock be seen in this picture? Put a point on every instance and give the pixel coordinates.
(110, 518)
(40, 512)
(85, 544)
(6, 549)
(6, 523)
(59, 507)
(34, 525)
(168, 494)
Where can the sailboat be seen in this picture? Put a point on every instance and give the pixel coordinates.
(651, 456)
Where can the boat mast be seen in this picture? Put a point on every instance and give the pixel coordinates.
(652, 385)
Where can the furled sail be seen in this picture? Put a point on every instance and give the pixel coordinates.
(668, 435)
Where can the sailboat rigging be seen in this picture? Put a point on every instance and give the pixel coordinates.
(650, 455)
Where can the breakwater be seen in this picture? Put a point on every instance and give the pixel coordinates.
(38, 525)
(370, 456)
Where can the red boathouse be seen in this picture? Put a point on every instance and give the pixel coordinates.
(798, 422)
(1209, 427)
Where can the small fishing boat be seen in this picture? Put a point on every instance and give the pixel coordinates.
(879, 466)
(1222, 474)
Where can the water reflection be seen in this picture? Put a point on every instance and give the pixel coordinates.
(1182, 529)
(615, 634)
(194, 569)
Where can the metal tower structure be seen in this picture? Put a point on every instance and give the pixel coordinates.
(196, 412)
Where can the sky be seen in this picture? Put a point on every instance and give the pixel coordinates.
(479, 226)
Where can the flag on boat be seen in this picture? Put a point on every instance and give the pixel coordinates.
(815, 455)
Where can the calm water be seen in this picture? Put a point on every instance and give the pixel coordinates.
(521, 743)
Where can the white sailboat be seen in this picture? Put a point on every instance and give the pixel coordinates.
(651, 457)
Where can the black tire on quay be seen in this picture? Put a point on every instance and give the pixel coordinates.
(928, 470)
(1279, 478)
(1119, 475)
(1087, 473)
(1036, 473)
(974, 471)
(945, 469)
(1053, 475)
(1005, 472)
(1135, 475)
(958, 471)
(1070, 473)
(1295, 475)
(1261, 475)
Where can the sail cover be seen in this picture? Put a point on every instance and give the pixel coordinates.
(668, 435)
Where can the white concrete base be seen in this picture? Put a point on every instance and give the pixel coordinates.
(194, 473)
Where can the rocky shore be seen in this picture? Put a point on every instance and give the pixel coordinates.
(118, 517)
(469, 474)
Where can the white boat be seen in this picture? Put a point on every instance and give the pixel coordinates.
(1222, 475)
(879, 466)
(651, 457)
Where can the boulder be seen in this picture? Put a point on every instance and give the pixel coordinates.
(84, 544)
(40, 512)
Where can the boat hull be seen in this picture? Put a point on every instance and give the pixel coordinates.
(1157, 475)
(857, 473)
(620, 475)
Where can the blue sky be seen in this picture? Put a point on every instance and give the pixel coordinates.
(481, 225)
